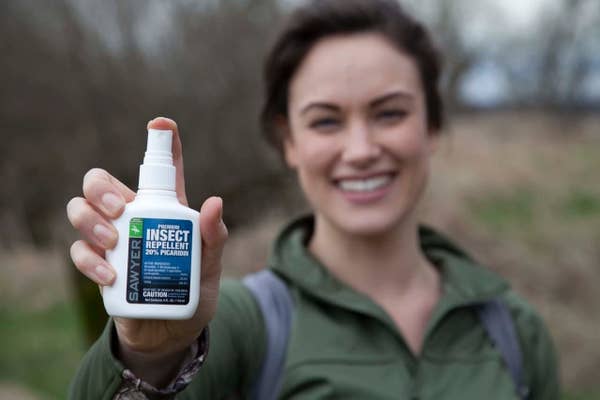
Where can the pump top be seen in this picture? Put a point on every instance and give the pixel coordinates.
(157, 172)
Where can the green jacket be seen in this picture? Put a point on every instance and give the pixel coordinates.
(344, 346)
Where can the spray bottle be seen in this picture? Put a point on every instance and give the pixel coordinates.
(157, 256)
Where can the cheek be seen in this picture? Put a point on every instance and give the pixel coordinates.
(409, 145)
(315, 154)
(414, 141)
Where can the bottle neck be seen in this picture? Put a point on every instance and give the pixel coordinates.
(156, 193)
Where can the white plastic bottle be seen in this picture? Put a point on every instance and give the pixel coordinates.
(157, 257)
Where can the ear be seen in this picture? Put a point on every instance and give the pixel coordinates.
(289, 146)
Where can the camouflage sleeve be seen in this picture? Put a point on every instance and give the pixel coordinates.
(133, 388)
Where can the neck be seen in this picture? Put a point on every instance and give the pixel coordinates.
(390, 263)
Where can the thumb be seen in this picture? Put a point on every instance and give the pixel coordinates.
(214, 235)
(163, 123)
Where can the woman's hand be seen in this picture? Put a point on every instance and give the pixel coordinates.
(104, 199)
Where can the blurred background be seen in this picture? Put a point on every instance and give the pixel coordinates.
(516, 181)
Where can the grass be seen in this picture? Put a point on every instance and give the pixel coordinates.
(581, 396)
(41, 349)
(581, 203)
(520, 207)
(504, 212)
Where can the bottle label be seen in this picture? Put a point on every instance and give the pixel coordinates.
(159, 261)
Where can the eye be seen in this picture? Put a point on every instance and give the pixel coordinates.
(391, 114)
(325, 123)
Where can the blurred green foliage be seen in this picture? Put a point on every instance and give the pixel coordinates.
(581, 396)
(523, 208)
(581, 203)
(506, 211)
(41, 349)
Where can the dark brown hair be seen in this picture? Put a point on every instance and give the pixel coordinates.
(321, 18)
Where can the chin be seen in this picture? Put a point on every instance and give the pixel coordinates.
(370, 223)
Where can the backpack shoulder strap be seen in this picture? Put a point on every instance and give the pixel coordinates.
(499, 325)
(276, 306)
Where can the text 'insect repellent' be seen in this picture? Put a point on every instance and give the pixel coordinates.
(157, 257)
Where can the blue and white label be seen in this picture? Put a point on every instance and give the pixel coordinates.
(159, 261)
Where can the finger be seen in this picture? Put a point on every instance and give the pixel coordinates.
(92, 226)
(91, 264)
(106, 192)
(168, 124)
(214, 235)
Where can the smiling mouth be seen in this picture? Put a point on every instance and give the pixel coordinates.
(364, 185)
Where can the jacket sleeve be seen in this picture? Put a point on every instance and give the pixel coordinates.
(545, 381)
(99, 374)
(237, 346)
(539, 354)
(237, 342)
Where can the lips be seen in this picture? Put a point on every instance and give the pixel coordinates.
(365, 190)
(362, 185)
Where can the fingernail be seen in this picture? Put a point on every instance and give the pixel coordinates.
(112, 202)
(104, 234)
(105, 276)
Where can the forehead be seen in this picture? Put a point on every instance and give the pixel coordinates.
(353, 68)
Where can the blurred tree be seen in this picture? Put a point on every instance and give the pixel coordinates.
(447, 21)
(459, 57)
(565, 57)
(547, 64)
(78, 100)
(79, 85)
(550, 66)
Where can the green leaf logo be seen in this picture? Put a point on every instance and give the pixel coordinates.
(136, 227)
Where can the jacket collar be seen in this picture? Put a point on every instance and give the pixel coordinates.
(464, 281)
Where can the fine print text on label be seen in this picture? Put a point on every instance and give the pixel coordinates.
(159, 261)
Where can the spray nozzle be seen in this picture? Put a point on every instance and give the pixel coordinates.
(159, 140)
(157, 171)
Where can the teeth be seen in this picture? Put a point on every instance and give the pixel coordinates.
(364, 185)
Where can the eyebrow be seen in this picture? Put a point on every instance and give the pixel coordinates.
(391, 96)
(373, 103)
(328, 106)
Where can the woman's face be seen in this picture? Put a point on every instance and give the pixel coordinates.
(358, 135)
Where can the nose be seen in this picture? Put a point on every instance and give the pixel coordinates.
(360, 147)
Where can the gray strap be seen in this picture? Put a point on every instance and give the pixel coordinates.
(498, 323)
(277, 307)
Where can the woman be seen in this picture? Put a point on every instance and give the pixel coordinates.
(382, 307)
